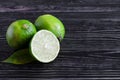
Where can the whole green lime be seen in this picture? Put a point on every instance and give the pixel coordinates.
(19, 33)
(51, 23)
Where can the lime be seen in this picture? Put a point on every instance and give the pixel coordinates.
(51, 23)
(19, 33)
(44, 46)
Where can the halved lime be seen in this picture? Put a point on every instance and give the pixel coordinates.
(44, 46)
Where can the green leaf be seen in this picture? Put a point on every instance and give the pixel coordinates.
(20, 57)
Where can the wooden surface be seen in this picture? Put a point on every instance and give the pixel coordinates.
(90, 50)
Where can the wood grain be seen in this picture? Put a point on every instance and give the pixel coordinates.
(90, 50)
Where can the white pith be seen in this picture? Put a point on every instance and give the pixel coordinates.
(45, 46)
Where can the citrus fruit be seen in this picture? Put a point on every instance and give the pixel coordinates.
(19, 33)
(44, 46)
(51, 23)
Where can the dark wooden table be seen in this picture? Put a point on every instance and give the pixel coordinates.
(90, 50)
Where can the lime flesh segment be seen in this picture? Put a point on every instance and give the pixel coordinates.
(45, 46)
